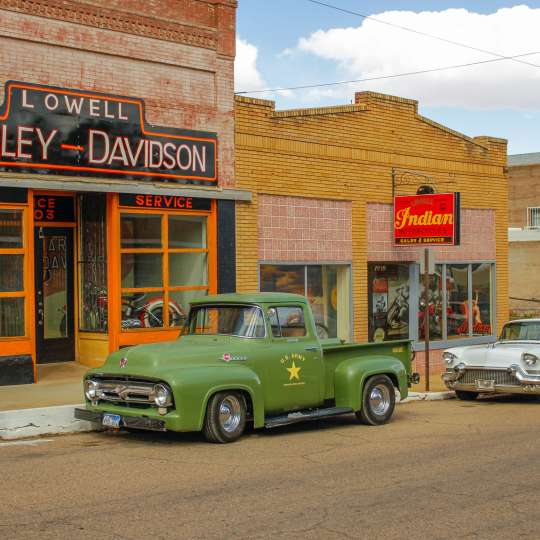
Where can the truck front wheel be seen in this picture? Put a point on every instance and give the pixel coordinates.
(225, 417)
(378, 401)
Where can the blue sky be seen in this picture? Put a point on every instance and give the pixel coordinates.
(297, 42)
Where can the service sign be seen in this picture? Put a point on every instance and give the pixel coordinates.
(49, 130)
(427, 219)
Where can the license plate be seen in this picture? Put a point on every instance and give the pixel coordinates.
(111, 420)
(485, 384)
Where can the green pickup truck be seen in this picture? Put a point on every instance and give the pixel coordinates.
(246, 358)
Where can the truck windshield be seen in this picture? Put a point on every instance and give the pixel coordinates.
(521, 331)
(241, 321)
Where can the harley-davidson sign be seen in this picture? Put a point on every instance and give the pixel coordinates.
(46, 130)
(427, 219)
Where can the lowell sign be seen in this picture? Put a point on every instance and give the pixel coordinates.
(46, 130)
(427, 219)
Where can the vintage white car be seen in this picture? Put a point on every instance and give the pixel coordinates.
(510, 365)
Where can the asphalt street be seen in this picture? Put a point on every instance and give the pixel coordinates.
(439, 470)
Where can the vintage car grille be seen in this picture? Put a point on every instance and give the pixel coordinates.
(500, 376)
(123, 391)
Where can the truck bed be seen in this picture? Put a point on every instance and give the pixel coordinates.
(336, 351)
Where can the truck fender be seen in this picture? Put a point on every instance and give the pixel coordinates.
(351, 376)
(243, 380)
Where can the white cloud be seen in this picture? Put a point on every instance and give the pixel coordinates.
(246, 73)
(247, 76)
(374, 49)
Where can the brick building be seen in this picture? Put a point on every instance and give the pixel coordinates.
(524, 234)
(321, 219)
(116, 173)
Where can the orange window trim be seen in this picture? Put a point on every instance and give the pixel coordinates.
(164, 251)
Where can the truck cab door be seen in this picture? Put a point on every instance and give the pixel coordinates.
(294, 370)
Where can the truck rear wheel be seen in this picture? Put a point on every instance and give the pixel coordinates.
(378, 401)
(225, 419)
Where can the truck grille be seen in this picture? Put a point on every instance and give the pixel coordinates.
(500, 376)
(122, 391)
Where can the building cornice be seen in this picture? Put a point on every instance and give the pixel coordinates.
(115, 20)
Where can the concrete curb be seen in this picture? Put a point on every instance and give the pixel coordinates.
(22, 423)
(428, 396)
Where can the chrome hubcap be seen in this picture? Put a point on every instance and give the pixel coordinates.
(379, 399)
(230, 414)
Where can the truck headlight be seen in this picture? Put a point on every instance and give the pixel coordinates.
(90, 389)
(449, 358)
(162, 395)
(529, 359)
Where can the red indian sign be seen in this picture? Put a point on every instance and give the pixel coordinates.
(427, 219)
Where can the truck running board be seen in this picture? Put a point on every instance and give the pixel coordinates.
(302, 416)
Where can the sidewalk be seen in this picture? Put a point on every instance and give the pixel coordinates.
(58, 384)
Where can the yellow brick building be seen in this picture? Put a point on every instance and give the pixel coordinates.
(323, 181)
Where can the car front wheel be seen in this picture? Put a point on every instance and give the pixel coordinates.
(378, 401)
(225, 419)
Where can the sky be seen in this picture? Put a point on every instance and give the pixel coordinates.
(284, 43)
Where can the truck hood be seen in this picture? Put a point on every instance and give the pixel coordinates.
(153, 360)
(500, 354)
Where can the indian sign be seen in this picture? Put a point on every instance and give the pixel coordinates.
(46, 130)
(427, 219)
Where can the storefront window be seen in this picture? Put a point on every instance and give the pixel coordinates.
(388, 301)
(327, 288)
(11, 229)
(435, 305)
(141, 231)
(457, 290)
(164, 262)
(93, 264)
(481, 300)
(142, 270)
(11, 317)
(11, 273)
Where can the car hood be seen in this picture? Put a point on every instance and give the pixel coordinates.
(154, 360)
(500, 354)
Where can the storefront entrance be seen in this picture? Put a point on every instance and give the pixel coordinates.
(55, 336)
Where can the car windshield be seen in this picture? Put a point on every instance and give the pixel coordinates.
(241, 321)
(521, 331)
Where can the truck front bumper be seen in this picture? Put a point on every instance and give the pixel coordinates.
(135, 422)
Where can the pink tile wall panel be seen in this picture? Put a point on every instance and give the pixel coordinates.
(296, 229)
(477, 237)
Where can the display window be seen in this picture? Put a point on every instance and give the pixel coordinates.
(93, 315)
(164, 264)
(389, 293)
(327, 288)
(13, 294)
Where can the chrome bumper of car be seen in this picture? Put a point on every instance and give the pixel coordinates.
(510, 379)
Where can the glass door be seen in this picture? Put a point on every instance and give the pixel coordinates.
(55, 340)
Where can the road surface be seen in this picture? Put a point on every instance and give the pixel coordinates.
(439, 470)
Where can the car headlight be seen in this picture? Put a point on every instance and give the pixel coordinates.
(529, 359)
(449, 358)
(91, 389)
(162, 395)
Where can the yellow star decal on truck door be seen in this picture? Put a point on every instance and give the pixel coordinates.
(293, 372)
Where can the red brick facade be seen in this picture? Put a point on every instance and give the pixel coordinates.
(177, 55)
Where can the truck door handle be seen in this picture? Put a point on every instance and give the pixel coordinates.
(311, 349)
